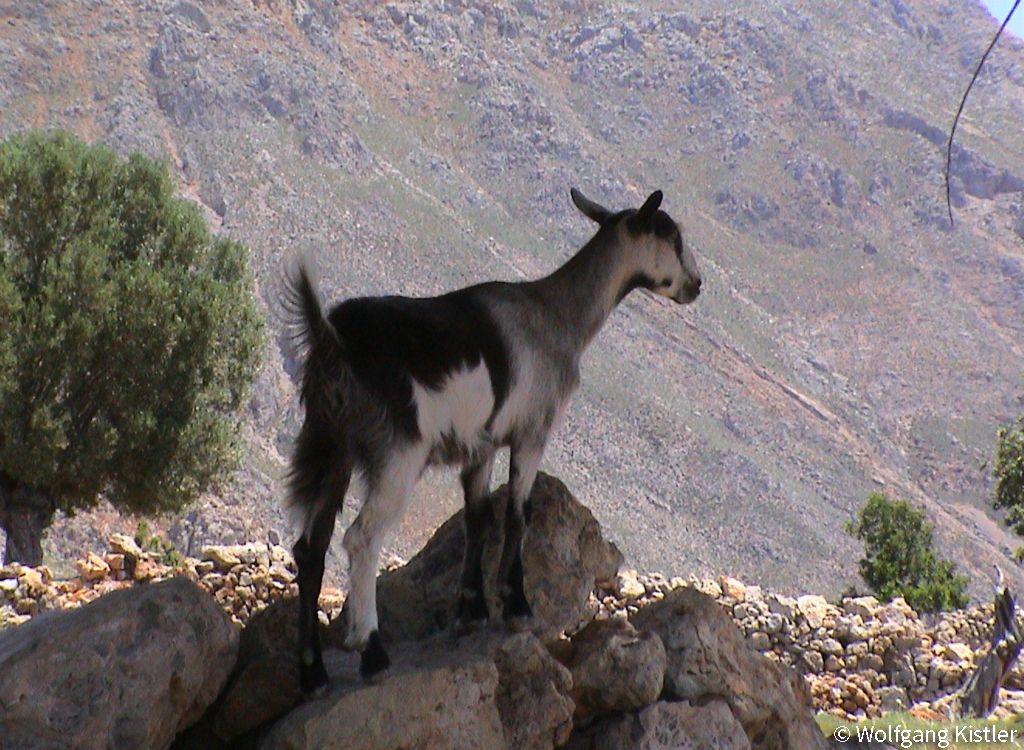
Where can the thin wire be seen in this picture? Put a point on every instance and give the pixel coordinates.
(956, 120)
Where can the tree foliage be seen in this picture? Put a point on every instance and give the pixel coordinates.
(130, 333)
(1009, 470)
(899, 559)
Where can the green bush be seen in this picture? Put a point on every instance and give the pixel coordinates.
(899, 559)
(150, 542)
(1009, 471)
(130, 337)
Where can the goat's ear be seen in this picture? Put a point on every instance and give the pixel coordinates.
(591, 210)
(643, 219)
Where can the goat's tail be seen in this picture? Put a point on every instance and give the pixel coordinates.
(310, 328)
(320, 459)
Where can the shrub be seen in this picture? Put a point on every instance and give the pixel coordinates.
(899, 559)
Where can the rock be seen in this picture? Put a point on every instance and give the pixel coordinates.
(831, 647)
(628, 585)
(897, 612)
(814, 661)
(223, 558)
(732, 587)
(125, 545)
(614, 667)
(131, 669)
(708, 658)
(959, 652)
(564, 556)
(893, 699)
(865, 606)
(265, 682)
(814, 608)
(93, 567)
(487, 691)
(761, 641)
(533, 695)
(782, 605)
(667, 726)
(264, 689)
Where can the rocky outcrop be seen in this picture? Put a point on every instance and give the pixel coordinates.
(708, 658)
(564, 556)
(131, 669)
(487, 691)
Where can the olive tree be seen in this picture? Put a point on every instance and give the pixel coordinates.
(129, 338)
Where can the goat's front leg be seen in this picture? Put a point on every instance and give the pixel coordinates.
(523, 465)
(476, 485)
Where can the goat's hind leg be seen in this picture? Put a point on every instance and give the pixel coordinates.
(310, 551)
(479, 514)
(523, 465)
(388, 497)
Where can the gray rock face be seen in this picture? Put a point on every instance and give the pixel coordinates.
(487, 691)
(266, 680)
(131, 669)
(564, 555)
(614, 667)
(667, 726)
(434, 707)
(533, 695)
(709, 658)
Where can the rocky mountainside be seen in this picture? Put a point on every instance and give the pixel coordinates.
(849, 338)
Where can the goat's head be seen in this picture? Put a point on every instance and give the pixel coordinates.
(654, 243)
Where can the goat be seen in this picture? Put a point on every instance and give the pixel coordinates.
(392, 385)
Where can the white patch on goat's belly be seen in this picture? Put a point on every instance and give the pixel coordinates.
(452, 420)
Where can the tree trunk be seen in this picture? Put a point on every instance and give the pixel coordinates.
(25, 512)
(980, 695)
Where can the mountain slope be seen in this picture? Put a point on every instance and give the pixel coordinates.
(848, 339)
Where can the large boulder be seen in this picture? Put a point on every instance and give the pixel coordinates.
(614, 667)
(666, 726)
(487, 690)
(131, 669)
(563, 557)
(709, 658)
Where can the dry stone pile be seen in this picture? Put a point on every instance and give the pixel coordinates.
(860, 658)
(243, 579)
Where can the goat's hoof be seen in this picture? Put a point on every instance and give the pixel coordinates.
(373, 659)
(313, 679)
(519, 623)
(465, 627)
(472, 612)
(516, 608)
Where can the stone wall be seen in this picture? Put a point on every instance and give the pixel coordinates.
(860, 657)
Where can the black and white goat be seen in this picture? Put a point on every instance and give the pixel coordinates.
(392, 385)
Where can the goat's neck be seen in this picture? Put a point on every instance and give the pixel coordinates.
(583, 292)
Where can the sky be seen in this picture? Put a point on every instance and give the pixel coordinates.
(999, 9)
